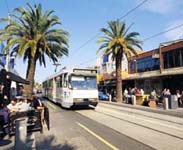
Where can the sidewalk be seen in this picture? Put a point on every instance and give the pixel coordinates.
(171, 112)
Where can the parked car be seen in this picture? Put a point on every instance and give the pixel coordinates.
(103, 96)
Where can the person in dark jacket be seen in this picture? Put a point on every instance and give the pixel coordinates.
(36, 102)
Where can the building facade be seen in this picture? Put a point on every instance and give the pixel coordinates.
(156, 69)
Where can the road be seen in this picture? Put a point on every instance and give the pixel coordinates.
(72, 129)
(107, 127)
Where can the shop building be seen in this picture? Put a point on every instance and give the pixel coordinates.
(156, 69)
(159, 68)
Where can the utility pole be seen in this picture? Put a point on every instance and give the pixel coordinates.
(7, 54)
(56, 65)
(7, 62)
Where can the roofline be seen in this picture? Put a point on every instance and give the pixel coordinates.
(66, 70)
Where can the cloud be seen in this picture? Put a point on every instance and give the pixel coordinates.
(174, 34)
(161, 6)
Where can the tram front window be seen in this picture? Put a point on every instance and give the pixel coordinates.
(83, 82)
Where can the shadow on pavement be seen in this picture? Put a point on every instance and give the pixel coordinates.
(49, 143)
(82, 108)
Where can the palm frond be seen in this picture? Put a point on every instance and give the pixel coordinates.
(117, 40)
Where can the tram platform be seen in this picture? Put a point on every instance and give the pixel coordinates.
(159, 109)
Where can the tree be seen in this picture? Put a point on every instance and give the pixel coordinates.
(118, 42)
(30, 33)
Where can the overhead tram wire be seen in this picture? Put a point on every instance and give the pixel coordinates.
(140, 4)
(7, 7)
(89, 60)
(146, 39)
(95, 36)
(160, 33)
(92, 38)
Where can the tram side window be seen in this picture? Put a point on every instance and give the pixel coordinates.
(181, 50)
(61, 84)
(65, 80)
(58, 83)
(50, 84)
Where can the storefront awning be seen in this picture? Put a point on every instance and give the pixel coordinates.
(13, 77)
(16, 78)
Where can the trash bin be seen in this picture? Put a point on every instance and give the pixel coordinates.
(173, 102)
(165, 102)
(133, 98)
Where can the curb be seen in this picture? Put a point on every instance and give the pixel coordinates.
(170, 112)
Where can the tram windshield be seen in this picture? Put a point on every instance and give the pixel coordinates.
(83, 82)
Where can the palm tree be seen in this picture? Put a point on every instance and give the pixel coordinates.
(30, 33)
(118, 42)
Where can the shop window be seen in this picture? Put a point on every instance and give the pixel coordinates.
(181, 58)
(105, 58)
(132, 66)
(147, 64)
(165, 60)
(177, 58)
(173, 58)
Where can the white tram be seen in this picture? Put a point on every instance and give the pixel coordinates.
(72, 87)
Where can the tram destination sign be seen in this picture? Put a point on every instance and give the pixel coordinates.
(85, 71)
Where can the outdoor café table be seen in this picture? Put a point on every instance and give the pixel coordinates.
(141, 98)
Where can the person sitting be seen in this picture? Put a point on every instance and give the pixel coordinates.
(167, 92)
(4, 118)
(23, 105)
(153, 95)
(138, 92)
(4, 112)
(12, 107)
(37, 104)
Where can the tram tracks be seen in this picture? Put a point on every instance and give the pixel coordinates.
(161, 117)
(168, 127)
(150, 127)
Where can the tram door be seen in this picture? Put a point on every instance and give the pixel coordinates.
(54, 90)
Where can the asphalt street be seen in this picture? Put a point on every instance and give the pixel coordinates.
(71, 130)
(107, 127)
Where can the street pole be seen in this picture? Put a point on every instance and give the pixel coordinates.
(7, 54)
(7, 62)
(56, 65)
(160, 59)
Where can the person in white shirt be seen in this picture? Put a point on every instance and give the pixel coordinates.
(12, 107)
(142, 91)
(125, 95)
(23, 105)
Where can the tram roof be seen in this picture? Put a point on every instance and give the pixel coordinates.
(77, 71)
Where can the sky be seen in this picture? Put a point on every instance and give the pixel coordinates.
(83, 19)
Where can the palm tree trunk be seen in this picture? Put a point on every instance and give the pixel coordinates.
(118, 77)
(30, 77)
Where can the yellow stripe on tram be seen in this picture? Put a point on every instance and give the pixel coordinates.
(52, 106)
(98, 137)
